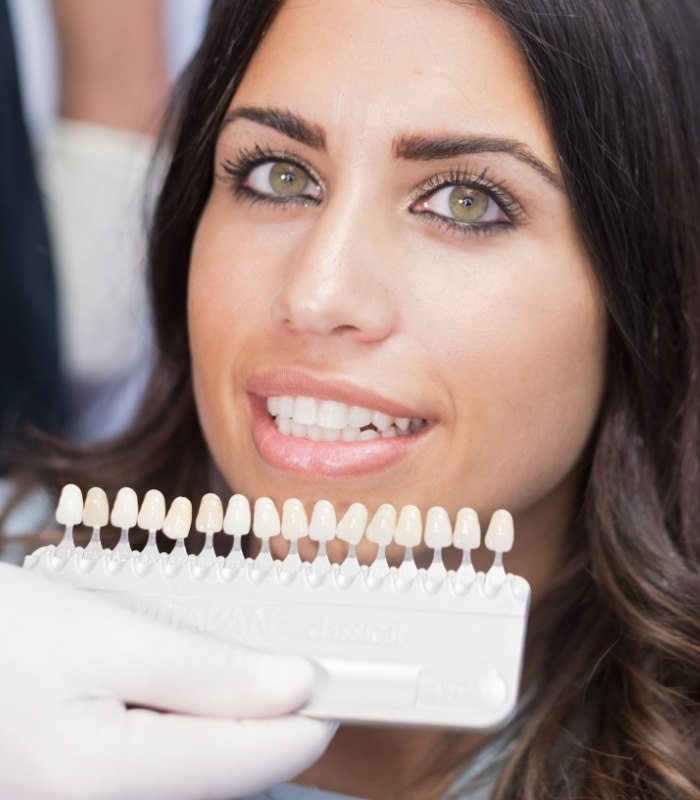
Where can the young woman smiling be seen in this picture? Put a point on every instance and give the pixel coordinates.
(480, 218)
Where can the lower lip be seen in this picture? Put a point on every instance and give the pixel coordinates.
(329, 459)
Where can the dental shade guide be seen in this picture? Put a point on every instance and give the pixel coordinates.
(405, 646)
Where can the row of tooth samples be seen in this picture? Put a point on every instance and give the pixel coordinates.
(331, 421)
(405, 529)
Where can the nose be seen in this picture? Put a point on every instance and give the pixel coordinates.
(335, 281)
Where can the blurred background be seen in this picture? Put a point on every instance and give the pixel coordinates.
(84, 84)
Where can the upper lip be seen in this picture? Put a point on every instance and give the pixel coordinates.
(275, 382)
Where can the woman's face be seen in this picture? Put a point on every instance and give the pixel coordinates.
(387, 229)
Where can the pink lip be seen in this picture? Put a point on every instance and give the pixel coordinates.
(289, 381)
(327, 459)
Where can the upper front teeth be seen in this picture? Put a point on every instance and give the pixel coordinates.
(331, 420)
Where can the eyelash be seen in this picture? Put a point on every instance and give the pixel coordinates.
(238, 170)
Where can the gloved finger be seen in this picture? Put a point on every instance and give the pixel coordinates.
(197, 758)
(146, 663)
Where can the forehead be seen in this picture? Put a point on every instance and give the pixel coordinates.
(367, 69)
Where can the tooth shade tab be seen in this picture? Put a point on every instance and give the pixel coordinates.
(295, 523)
(96, 509)
(237, 519)
(382, 526)
(125, 510)
(409, 528)
(323, 522)
(178, 519)
(352, 525)
(266, 520)
(69, 510)
(152, 514)
(438, 529)
(499, 536)
(210, 517)
(467, 532)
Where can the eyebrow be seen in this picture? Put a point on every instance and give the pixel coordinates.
(414, 147)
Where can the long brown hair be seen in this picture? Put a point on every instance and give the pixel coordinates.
(615, 711)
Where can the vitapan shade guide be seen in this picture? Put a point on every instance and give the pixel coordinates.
(392, 645)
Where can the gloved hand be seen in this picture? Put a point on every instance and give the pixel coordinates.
(71, 667)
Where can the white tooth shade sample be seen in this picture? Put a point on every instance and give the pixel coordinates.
(409, 528)
(322, 524)
(438, 529)
(96, 509)
(152, 514)
(266, 520)
(467, 532)
(210, 517)
(178, 519)
(237, 519)
(125, 510)
(295, 524)
(69, 510)
(382, 526)
(353, 523)
(499, 536)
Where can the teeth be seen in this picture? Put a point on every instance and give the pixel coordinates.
(70, 506)
(358, 417)
(366, 436)
(381, 421)
(499, 536)
(352, 525)
(178, 519)
(409, 527)
(295, 524)
(125, 510)
(333, 415)
(467, 532)
(331, 421)
(152, 513)
(322, 525)
(314, 432)
(305, 410)
(284, 425)
(286, 406)
(273, 405)
(210, 518)
(438, 530)
(266, 520)
(381, 529)
(237, 519)
(350, 434)
(96, 510)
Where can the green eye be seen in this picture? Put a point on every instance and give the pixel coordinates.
(467, 204)
(288, 180)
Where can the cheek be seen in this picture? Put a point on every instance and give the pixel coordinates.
(525, 367)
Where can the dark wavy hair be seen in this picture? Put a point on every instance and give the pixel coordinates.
(614, 711)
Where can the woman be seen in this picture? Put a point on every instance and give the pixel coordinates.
(482, 217)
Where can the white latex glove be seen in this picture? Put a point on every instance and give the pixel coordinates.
(69, 665)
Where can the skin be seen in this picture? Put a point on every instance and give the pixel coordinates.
(500, 338)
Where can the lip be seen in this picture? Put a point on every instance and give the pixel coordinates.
(289, 381)
(327, 459)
